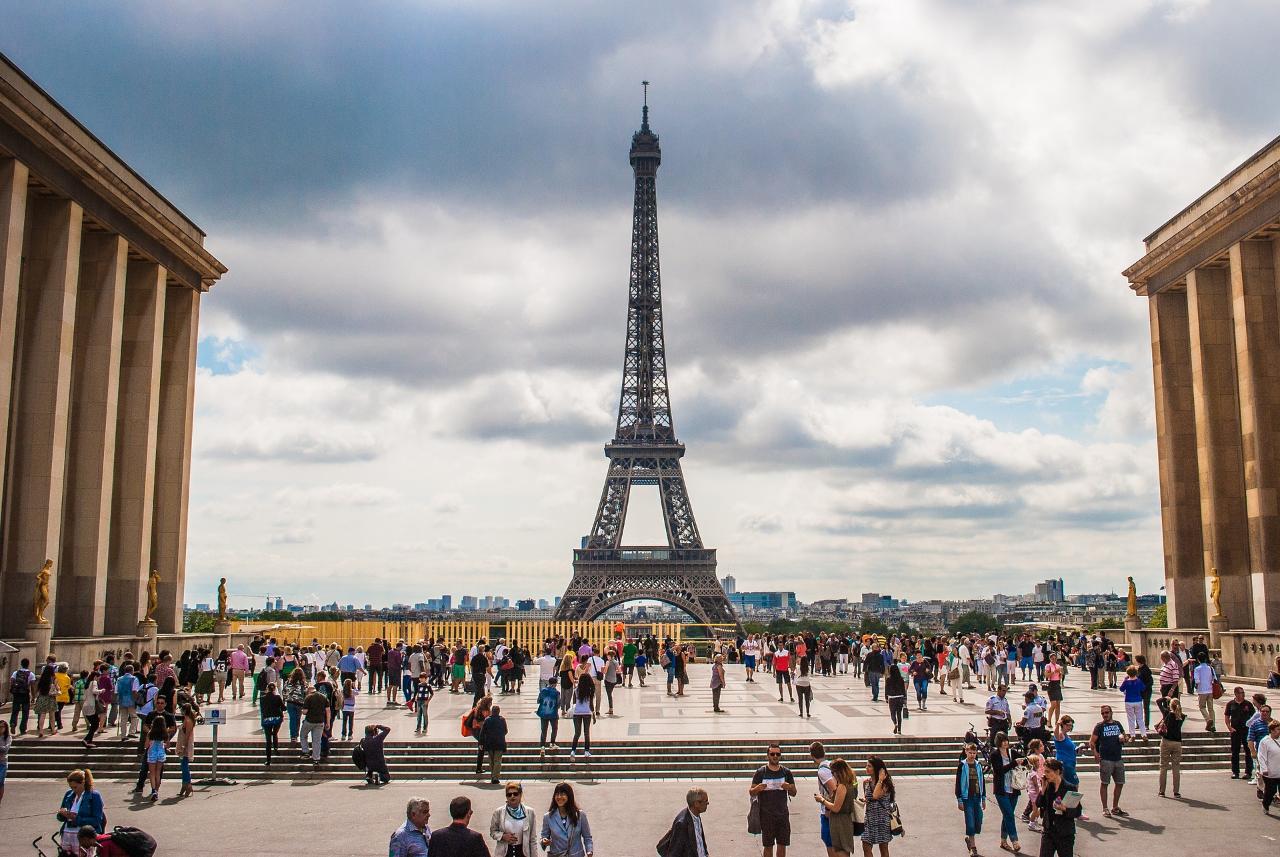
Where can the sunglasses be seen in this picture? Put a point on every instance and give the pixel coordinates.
(775, 754)
(513, 794)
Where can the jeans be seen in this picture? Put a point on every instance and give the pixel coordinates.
(972, 815)
(1171, 758)
(295, 718)
(896, 704)
(186, 769)
(581, 727)
(554, 723)
(873, 678)
(20, 704)
(715, 698)
(312, 733)
(1239, 742)
(272, 745)
(1008, 826)
(922, 690)
(348, 723)
(422, 716)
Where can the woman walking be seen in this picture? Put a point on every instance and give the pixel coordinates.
(921, 671)
(1004, 762)
(1132, 689)
(295, 691)
(565, 830)
(81, 805)
(583, 697)
(840, 808)
(271, 709)
(46, 702)
(157, 741)
(1170, 730)
(349, 709)
(895, 691)
(971, 794)
(612, 676)
(804, 690)
(566, 672)
(512, 824)
(1059, 821)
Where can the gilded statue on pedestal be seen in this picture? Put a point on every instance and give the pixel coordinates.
(222, 600)
(1215, 592)
(153, 594)
(1133, 599)
(40, 600)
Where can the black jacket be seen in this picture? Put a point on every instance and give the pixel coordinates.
(493, 734)
(999, 769)
(894, 684)
(679, 841)
(457, 840)
(1057, 825)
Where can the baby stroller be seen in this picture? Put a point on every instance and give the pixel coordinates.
(129, 841)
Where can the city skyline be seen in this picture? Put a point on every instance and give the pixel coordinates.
(905, 350)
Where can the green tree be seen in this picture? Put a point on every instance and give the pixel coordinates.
(275, 616)
(874, 625)
(904, 628)
(1111, 623)
(197, 622)
(975, 621)
(1159, 618)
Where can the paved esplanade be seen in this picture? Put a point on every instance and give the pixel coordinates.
(627, 819)
(842, 708)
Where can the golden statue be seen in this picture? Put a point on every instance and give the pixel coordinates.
(153, 594)
(40, 600)
(1215, 592)
(222, 600)
(1133, 599)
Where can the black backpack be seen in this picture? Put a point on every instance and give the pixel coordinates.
(357, 756)
(134, 842)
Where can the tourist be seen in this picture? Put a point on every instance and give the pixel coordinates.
(46, 704)
(1066, 750)
(6, 741)
(642, 664)
(895, 693)
(1035, 784)
(686, 837)
(1004, 764)
(1107, 743)
(971, 794)
(881, 798)
(20, 682)
(411, 839)
(1238, 713)
(91, 707)
(375, 755)
(512, 825)
(421, 701)
(1058, 822)
(998, 714)
(158, 734)
(584, 696)
(395, 673)
(375, 655)
(1053, 674)
(316, 714)
(348, 709)
(826, 791)
(921, 671)
(493, 738)
(804, 690)
(750, 651)
(548, 712)
(458, 840)
(840, 828)
(126, 690)
(612, 676)
(565, 829)
(546, 669)
(81, 805)
(1170, 674)
(1170, 731)
(1132, 689)
(773, 786)
(1258, 730)
(295, 693)
(873, 670)
(271, 710)
(1269, 765)
(782, 671)
(1204, 678)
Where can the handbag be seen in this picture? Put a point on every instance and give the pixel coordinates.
(859, 811)
(1020, 777)
(1218, 690)
(753, 817)
(895, 821)
(954, 674)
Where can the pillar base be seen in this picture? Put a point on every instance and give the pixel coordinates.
(1133, 623)
(222, 626)
(148, 629)
(1217, 625)
(41, 633)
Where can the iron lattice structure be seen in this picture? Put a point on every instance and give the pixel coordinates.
(645, 451)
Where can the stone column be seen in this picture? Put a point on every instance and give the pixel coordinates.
(1222, 502)
(173, 451)
(40, 403)
(13, 217)
(132, 503)
(1176, 441)
(1257, 333)
(91, 448)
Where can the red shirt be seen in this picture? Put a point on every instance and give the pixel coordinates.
(782, 660)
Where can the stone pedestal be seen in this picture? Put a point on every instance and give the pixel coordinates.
(222, 626)
(148, 630)
(1217, 625)
(41, 633)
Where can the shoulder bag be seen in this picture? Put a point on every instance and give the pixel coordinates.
(753, 817)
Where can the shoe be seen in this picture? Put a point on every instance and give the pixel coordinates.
(1106, 813)
(493, 782)
(573, 754)
(136, 791)
(1178, 795)
(1004, 846)
(554, 746)
(1159, 794)
(1235, 776)
(1253, 781)
(542, 752)
(1119, 812)
(587, 754)
(155, 796)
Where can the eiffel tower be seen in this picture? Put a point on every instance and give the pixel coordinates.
(644, 451)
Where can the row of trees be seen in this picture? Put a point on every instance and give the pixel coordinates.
(965, 623)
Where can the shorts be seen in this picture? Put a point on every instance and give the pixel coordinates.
(783, 677)
(155, 753)
(1109, 770)
(824, 829)
(775, 831)
(749, 661)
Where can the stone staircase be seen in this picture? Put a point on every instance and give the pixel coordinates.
(613, 760)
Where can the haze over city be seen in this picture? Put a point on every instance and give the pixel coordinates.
(902, 354)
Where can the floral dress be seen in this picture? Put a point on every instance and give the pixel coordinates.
(876, 830)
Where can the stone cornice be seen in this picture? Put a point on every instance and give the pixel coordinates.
(67, 157)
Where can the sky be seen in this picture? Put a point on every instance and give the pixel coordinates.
(902, 355)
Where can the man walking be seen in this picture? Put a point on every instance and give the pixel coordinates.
(1204, 678)
(493, 738)
(998, 714)
(873, 670)
(686, 837)
(772, 786)
(316, 706)
(1239, 712)
(1107, 743)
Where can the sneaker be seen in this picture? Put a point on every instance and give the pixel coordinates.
(573, 754)
(155, 796)
(587, 754)
(1106, 813)
(1253, 781)
(1119, 812)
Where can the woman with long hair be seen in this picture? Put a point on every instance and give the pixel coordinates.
(205, 675)
(1170, 731)
(840, 808)
(271, 709)
(565, 830)
(46, 704)
(566, 672)
(582, 700)
(348, 709)
(185, 746)
(1003, 761)
(804, 689)
(295, 691)
(895, 692)
(169, 690)
(880, 796)
(157, 753)
(1053, 678)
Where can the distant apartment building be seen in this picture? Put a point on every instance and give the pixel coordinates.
(730, 584)
(468, 602)
(763, 600)
(1051, 590)
(446, 602)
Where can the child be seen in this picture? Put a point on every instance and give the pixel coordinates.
(423, 696)
(1035, 784)
(642, 661)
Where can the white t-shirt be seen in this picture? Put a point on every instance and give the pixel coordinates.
(824, 784)
(596, 666)
(751, 647)
(547, 667)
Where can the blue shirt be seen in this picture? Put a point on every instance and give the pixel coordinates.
(348, 664)
(1132, 689)
(1065, 750)
(409, 841)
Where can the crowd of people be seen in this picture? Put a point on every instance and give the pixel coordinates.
(156, 701)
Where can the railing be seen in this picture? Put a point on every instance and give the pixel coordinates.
(645, 554)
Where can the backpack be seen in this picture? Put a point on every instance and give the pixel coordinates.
(21, 684)
(133, 841)
(357, 756)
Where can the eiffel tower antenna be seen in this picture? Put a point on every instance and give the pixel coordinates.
(645, 451)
